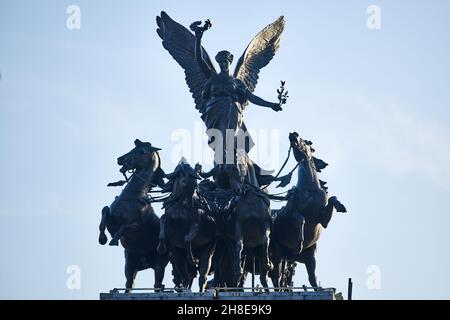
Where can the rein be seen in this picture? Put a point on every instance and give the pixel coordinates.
(285, 162)
(275, 196)
(138, 176)
(159, 198)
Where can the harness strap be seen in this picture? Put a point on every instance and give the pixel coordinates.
(285, 162)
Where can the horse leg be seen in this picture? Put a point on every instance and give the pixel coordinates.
(102, 239)
(216, 280)
(130, 272)
(309, 256)
(177, 279)
(266, 264)
(289, 273)
(301, 235)
(337, 204)
(276, 273)
(283, 273)
(162, 248)
(115, 240)
(239, 246)
(242, 280)
(204, 265)
(277, 266)
(224, 265)
(327, 212)
(192, 273)
(219, 261)
(193, 231)
(263, 275)
(180, 268)
(160, 268)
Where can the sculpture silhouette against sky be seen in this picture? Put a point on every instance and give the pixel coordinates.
(223, 225)
(221, 97)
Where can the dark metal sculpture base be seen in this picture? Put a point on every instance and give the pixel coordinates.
(168, 294)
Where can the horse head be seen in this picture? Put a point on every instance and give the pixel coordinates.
(305, 150)
(304, 147)
(140, 157)
(184, 179)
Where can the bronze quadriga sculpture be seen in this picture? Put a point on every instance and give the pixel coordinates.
(219, 222)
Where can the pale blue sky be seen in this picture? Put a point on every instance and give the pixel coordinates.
(374, 102)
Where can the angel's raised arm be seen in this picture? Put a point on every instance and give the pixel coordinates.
(181, 44)
(198, 31)
(199, 56)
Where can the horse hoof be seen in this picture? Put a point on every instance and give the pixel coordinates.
(209, 284)
(337, 204)
(114, 242)
(102, 239)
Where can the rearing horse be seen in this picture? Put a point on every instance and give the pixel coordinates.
(131, 219)
(298, 225)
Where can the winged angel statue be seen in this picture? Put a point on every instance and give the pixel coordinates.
(221, 97)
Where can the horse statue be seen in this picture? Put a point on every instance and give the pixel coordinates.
(131, 219)
(186, 229)
(298, 225)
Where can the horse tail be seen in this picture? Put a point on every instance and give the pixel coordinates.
(102, 239)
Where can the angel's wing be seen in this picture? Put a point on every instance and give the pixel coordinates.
(180, 43)
(258, 54)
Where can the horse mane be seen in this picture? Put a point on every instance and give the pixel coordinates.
(159, 174)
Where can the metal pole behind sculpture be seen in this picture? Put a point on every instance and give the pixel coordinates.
(350, 289)
(253, 275)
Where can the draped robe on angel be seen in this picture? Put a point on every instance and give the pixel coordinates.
(225, 102)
